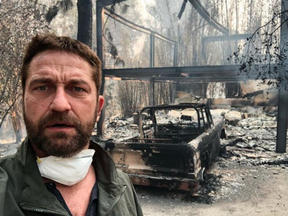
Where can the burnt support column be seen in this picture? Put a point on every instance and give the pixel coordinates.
(282, 121)
(152, 64)
(282, 93)
(174, 92)
(152, 50)
(100, 53)
(151, 92)
(175, 60)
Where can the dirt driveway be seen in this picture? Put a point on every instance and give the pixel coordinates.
(237, 189)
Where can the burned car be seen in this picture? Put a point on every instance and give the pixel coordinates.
(177, 143)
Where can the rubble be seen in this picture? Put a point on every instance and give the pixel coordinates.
(250, 143)
(233, 117)
(120, 128)
(255, 133)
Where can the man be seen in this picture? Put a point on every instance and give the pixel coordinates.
(57, 169)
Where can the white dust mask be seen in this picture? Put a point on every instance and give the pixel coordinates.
(66, 171)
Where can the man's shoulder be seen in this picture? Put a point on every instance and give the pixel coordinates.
(7, 161)
(10, 168)
(124, 176)
(13, 163)
(9, 172)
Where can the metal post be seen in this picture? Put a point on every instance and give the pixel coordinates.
(152, 50)
(99, 23)
(151, 92)
(175, 62)
(174, 92)
(282, 92)
(204, 50)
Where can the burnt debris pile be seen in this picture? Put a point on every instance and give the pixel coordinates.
(252, 140)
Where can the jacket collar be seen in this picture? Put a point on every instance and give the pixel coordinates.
(110, 186)
(35, 196)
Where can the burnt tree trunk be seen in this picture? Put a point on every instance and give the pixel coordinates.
(85, 21)
(16, 123)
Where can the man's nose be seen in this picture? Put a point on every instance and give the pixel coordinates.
(60, 101)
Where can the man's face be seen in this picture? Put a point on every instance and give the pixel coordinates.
(60, 103)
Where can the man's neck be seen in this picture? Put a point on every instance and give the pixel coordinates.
(77, 196)
(38, 152)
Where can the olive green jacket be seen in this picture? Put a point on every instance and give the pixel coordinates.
(22, 191)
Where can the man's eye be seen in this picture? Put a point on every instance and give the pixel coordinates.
(78, 89)
(42, 88)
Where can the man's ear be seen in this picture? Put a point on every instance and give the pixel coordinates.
(100, 107)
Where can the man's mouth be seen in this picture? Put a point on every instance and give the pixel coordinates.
(60, 126)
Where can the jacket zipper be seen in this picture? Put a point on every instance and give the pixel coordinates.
(116, 201)
(33, 209)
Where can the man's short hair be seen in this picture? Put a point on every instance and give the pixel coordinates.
(41, 43)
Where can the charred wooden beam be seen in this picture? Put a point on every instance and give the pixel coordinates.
(100, 53)
(252, 94)
(282, 95)
(195, 73)
(225, 38)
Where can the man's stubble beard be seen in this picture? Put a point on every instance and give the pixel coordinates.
(59, 144)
